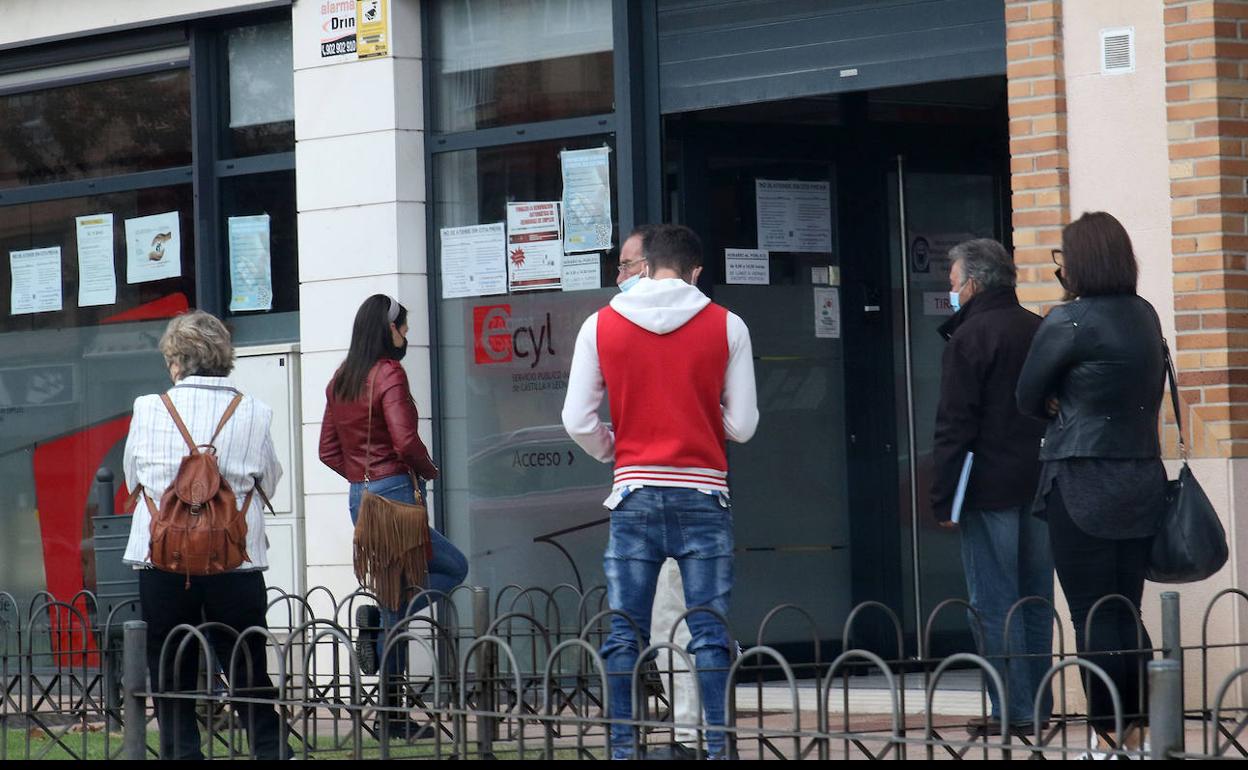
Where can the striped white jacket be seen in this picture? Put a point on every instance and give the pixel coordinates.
(245, 453)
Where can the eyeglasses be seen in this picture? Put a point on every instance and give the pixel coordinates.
(625, 266)
(1057, 257)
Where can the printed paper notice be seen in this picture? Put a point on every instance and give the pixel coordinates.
(827, 312)
(794, 216)
(474, 261)
(97, 276)
(153, 248)
(748, 266)
(936, 303)
(582, 272)
(36, 275)
(534, 246)
(586, 200)
(251, 264)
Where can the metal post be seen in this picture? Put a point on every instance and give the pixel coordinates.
(1172, 649)
(134, 676)
(487, 673)
(104, 491)
(1165, 708)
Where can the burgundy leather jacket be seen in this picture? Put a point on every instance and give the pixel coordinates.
(396, 446)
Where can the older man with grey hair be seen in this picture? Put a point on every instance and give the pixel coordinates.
(1005, 550)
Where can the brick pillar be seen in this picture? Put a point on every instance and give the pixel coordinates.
(1039, 163)
(1205, 90)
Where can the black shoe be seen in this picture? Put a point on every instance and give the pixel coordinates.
(990, 726)
(368, 628)
(407, 730)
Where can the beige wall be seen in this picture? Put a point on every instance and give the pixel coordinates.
(1119, 162)
(29, 20)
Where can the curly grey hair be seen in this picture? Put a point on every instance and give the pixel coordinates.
(986, 262)
(198, 343)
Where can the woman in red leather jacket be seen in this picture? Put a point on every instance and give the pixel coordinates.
(397, 461)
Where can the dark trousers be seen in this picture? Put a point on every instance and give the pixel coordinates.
(236, 600)
(1090, 568)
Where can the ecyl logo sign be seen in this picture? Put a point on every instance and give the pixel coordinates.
(497, 341)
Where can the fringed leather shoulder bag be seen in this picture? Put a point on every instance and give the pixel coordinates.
(392, 546)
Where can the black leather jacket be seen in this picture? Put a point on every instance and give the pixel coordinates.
(1103, 359)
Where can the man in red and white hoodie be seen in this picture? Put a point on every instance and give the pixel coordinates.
(678, 373)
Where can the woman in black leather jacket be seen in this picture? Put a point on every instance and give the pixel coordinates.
(1095, 372)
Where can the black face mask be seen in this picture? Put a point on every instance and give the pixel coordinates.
(398, 352)
(1061, 279)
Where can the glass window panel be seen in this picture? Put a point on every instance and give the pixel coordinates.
(503, 62)
(272, 194)
(261, 103)
(129, 124)
(510, 472)
(52, 223)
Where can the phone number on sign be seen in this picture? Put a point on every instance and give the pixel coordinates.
(338, 48)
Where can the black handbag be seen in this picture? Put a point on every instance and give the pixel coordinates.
(1190, 544)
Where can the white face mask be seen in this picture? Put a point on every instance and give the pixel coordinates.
(630, 282)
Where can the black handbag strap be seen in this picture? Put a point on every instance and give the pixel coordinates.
(1174, 398)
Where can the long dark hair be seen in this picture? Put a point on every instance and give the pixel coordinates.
(370, 342)
(1097, 256)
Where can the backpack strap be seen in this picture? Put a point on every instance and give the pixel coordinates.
(177, 420)
(229, 412)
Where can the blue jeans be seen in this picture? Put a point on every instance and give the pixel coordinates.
(695, 529)
(1006, 557)
(447, 569)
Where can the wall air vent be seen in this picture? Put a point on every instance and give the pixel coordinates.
(1117, 51)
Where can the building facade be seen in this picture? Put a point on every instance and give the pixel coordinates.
(307, 154)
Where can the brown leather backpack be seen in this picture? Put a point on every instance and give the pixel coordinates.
(198, 529)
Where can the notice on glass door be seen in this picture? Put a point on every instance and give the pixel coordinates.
(251, 264)
(153, 248)
(534, 246)
(586, 200)
(97, 276)
(827, 312)
(36, 281)
(794, 216)
(474, 260)
(747, 266)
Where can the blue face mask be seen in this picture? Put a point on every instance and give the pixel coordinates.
(955, 301)
(630, 282)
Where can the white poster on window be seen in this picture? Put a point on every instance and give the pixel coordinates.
(251, 264)
(474, 260)
(153, 248)
(827, 312)
(97, 275)
(586, 199)
(582, 272)
(534, 246)
(747, 266)
(36, 281)
(794, 216)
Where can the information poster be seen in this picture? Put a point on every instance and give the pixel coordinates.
(582, 272)
(929, 255)
(97, 275)
(794, 216)
(534, 246)
(586, 200)
(251, 263)
(36, 280)
(747, 266)
(372, 24)
(338, 29)
(827, 312)
(153, 248)
(474, 260)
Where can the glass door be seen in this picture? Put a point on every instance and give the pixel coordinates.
(931, 210)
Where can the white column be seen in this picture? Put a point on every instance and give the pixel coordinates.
(359, 151)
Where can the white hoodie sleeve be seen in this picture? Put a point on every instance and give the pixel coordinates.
(740, 394)
(586, 388)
